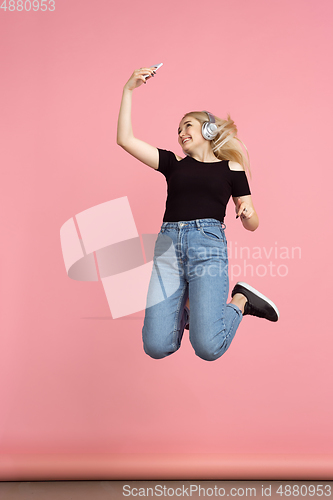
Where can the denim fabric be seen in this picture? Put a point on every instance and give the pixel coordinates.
(190, 260)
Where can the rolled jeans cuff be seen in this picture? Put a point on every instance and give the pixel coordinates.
(239, 312)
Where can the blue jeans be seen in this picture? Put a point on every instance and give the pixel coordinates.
(190, 260)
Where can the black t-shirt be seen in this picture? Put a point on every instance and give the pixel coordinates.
(199, 190)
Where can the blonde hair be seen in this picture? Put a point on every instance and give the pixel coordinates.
(226, 145)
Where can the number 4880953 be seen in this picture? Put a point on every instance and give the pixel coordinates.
(27, 5)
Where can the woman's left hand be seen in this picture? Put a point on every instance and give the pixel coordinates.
(243, 210)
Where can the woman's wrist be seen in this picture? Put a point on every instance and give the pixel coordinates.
(126, 90)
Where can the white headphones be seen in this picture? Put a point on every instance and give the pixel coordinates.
(209, 129)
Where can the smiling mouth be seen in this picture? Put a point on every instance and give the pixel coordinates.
(186, 140)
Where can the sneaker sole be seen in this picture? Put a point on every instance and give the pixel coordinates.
(253, 290)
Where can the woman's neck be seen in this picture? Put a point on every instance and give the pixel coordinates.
(203, 153)
(204, 156)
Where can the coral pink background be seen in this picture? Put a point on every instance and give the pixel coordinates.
(72, 379)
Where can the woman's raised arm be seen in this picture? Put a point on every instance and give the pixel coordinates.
(139, 149)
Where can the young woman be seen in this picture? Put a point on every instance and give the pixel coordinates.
(190, 256)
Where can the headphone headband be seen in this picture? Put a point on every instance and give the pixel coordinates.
(210, 116)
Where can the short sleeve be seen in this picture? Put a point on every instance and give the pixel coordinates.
(165, 161)
(240, 185)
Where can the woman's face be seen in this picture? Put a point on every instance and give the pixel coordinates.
(189, 134)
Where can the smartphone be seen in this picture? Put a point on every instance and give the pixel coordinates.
(156, 66)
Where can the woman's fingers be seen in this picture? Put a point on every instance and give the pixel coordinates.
(148, 72)
(240, 208)
(143, 74)
(244, 211)
(246, 214)
(139, 76)
(239, 202)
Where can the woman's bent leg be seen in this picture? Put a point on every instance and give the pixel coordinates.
(165, 314)
(213, 322)
(212, 338)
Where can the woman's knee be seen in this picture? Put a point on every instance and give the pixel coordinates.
(209, 351)
(207, 355)
(158, 348)
(157, 351)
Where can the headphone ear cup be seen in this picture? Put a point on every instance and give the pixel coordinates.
(209, 131)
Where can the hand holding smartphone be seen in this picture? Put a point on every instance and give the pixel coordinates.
(156, 67)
